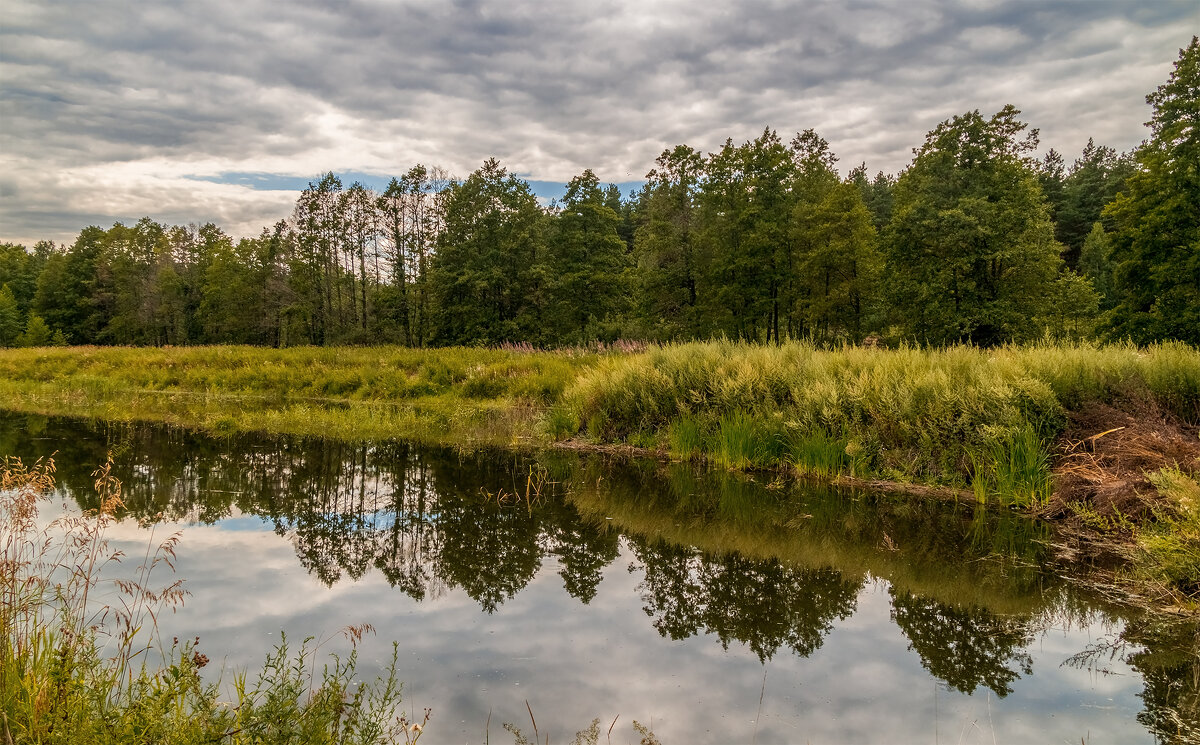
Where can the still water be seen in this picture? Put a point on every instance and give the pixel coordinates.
(714, 607)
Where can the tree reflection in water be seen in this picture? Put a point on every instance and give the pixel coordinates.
(761, 603)
(966, 648)
(771, 568)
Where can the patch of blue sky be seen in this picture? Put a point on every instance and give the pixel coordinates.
(543, 190)
(548, 190)
(246, 524)
(283, 182)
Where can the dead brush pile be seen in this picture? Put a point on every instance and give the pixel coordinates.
(1106, 455)
(1126, 485)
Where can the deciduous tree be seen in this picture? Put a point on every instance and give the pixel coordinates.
(971, 249)
(1156, 241)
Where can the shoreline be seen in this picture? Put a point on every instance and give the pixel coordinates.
(1079, 553)
(1096, 480)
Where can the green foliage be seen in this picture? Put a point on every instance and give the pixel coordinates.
(1171, 546)
(907, 413)
(1071, 306)
(836, 259)
(743, 262)
(819, 454)
(1020, 468)
(36, 334)
(585, 263)
(487, 274)
(1095, 263)
(970, 249)
(665, 246)
(876, 194)
(19, 269)
(1156, 236)
(1094, 180)
(10, 317)
(451, 396)
(561, 422)
(737, 443)
(685, 438)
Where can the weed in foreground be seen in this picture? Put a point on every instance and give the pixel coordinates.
(736, 441)
(1021, 469)
(75, 671)
(589, 736)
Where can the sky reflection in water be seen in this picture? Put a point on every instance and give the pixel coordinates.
(653, 592)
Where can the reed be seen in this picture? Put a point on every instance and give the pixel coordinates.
(685, 439)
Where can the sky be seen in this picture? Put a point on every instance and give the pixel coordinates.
(221, 110)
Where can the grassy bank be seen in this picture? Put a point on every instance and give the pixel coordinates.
(459, 396)
(995, 424)
(960, 416)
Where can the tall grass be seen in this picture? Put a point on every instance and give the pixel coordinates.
(737, 443)
(1170, 546)
(73, 670)
(685, 438)
(956, 416)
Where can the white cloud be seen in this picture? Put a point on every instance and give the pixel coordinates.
(109, 110)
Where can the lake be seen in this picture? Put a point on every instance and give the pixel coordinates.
(714, 607)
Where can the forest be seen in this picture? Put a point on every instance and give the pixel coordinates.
(977, 240)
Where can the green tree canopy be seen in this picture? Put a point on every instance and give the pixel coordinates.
(971, 249)
(664, 245)
(587, 260)
(745, 261)
(36, 334)
(487, 274)
(1156, 241)
(10, 317)
(835, 260)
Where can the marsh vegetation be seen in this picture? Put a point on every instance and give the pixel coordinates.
(1009, 425)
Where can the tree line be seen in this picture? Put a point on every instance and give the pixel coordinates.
(977, 240)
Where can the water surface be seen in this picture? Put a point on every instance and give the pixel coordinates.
(716, 607)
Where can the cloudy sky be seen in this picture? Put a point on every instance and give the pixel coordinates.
(219, 110)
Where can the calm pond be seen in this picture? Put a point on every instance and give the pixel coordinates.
(712, 606)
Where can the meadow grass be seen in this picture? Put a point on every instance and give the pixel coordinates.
(449, 396)
(983, 420)
(957, 416)
(1170, 558)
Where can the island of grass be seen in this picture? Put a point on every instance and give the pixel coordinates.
(1103, 440)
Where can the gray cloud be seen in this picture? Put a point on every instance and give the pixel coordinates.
(107, 108)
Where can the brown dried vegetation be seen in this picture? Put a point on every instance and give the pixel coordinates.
(1106, 454)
